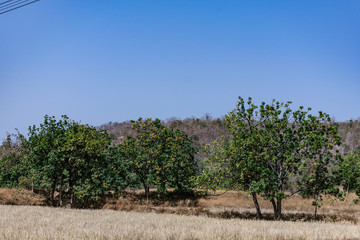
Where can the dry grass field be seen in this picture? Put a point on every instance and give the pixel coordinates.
(34, 222)
(239, 205)
(221, 205)
(224, 215)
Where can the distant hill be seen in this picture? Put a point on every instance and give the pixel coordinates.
(207, 129)
(350, 134)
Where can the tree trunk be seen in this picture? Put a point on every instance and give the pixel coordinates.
(275, 209)
(258, 210)
(32, 184)
(278, 207)
(147, 190)
(61, 191)
(52, 197)
(72, 195)
(316, 205)
(72, 200)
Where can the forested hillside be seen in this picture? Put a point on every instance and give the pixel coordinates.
(350, 135)
(207, 129)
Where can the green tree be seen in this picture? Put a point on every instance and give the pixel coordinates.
(12, 161)
(160, 156)
(182, 164)
(71, 158)
(318, 149)
(268, 145)
(45, 159)
(265, 148)
(118, 173)
(348, 172)
(86, 165)
(224, 168)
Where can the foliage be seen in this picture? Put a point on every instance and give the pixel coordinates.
(46, 160)
(12, 161)
(160, 156)
(265, 147)
(268, 144)
(71, 158)
(118, 174)
(85, 168)
(216, 170)
(206, 130)
(318, 178)
(348, 174)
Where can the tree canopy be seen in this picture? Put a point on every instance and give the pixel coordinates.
(69, 157)
(269, 143)
(160, 156)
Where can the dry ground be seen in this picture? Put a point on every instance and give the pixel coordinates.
(20, 197)
(239, 205)
(221, 205)
(33, 222)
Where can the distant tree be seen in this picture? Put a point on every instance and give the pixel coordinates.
(12, 172)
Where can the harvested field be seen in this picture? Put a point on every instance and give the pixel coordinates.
(32, 222)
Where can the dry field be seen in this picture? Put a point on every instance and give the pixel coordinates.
(239, 205)
(221, 205)
(34, 222)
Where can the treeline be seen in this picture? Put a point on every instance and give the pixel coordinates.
(269, 151)
(207, 129)
(77, 163)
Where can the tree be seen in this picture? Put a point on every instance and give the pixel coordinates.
(46, 161)
(265, 148)
(318, 178)
(223, 171)
(182, 164)
(348, 172)
(67, 156)
(318, 181)
(160, 156)
(268, 145)
(12, 164)
(84, 151)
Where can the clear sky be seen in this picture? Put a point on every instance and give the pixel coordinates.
(100, 61)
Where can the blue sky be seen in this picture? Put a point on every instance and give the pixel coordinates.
(101, 61)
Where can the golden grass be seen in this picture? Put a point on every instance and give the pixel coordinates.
(32, 222)
(222, 205)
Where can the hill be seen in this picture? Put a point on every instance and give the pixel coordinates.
(207, 129)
